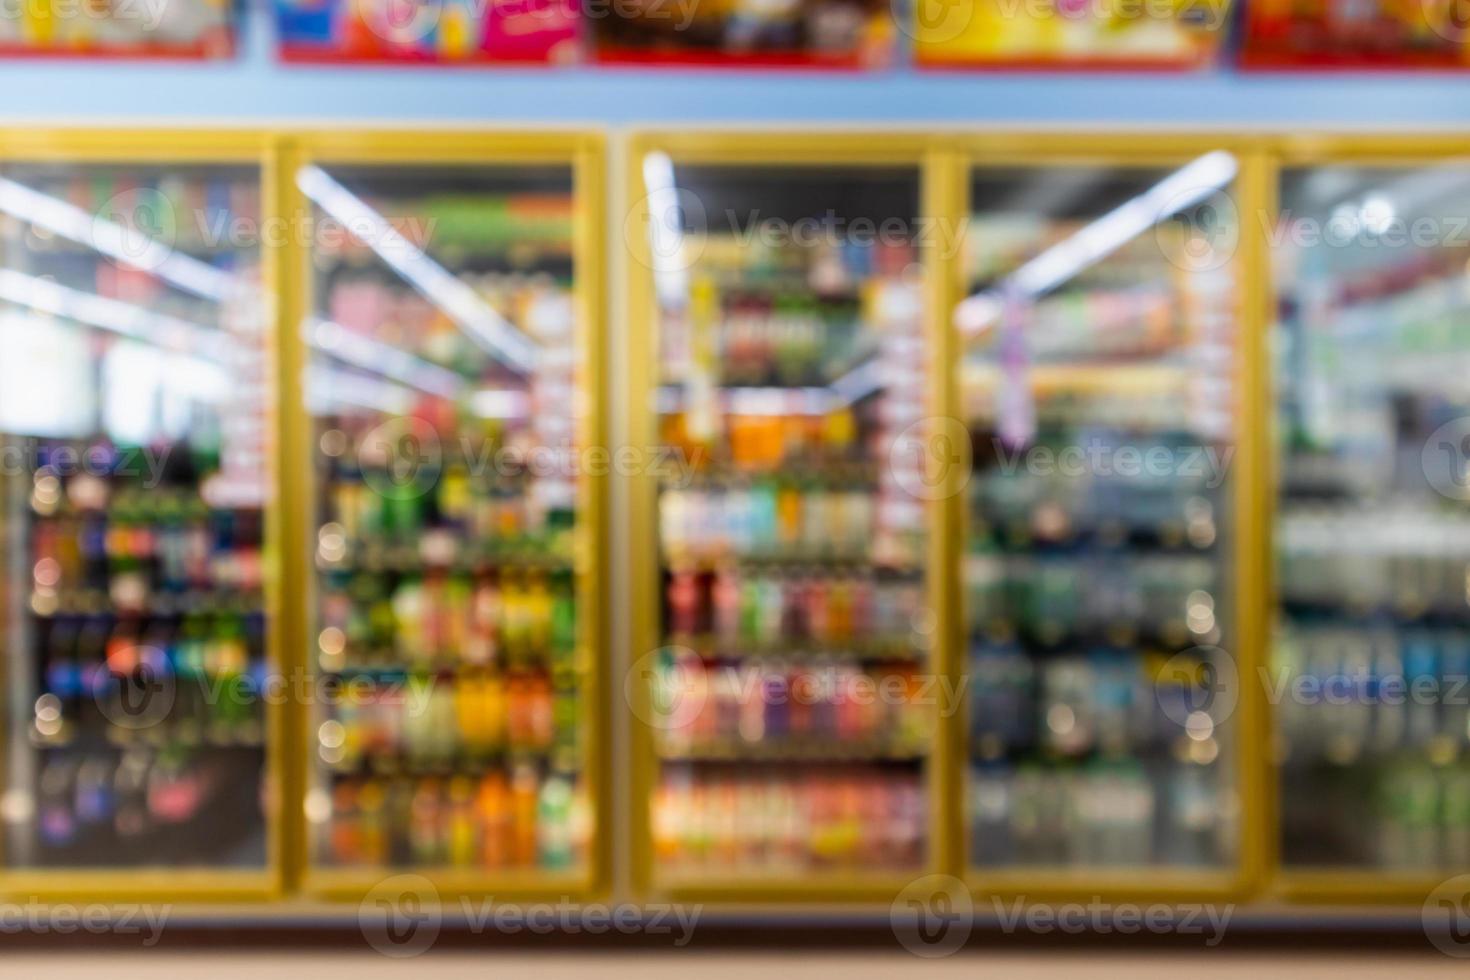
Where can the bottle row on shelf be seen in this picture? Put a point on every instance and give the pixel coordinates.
(757, 431)
(1106, 703)
(468, 224)
(1000, 242)
(206, 673)
(1145, 401)
(1408, 562)
(392, 481)
(815, 711)
(378, 306)
(370, 526)
(787, 341)
(743, 608)
(433, 724)
(1052, 599)
(137, 549)
(853, 818)
(1132, 321)
(749, 259)
(118, 806)
(774, 517)
(524, 819)
(1107, 813)
(1056, 506)
(443, 621)
(1408, 814)
(1343, 693)
(185, 209)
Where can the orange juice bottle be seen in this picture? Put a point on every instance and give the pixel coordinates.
(523, 792)
(492, 808)
(788, 515)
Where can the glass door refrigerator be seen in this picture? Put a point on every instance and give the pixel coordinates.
(138, 530)
(783, 625)
(1099, 357)
(449, 323)
(1372, 519)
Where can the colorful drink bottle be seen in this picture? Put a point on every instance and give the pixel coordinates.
(492, 808)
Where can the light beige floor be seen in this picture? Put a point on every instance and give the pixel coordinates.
(799, 965)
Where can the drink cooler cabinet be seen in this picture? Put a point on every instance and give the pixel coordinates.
(259, 462)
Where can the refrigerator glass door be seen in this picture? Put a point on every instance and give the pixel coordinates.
(1372, 535)
(134, 388)
(1097, 384)
(791, 717)
(444, 392)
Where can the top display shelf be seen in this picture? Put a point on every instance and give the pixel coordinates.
(842, 36)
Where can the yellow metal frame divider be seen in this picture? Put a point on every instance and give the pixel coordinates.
(1255, 415)
(946, 212)
(151, 147)
(286, 211)
(582, 153)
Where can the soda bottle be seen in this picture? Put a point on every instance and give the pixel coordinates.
(463, 835)
(554, 822)
(425, 828)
